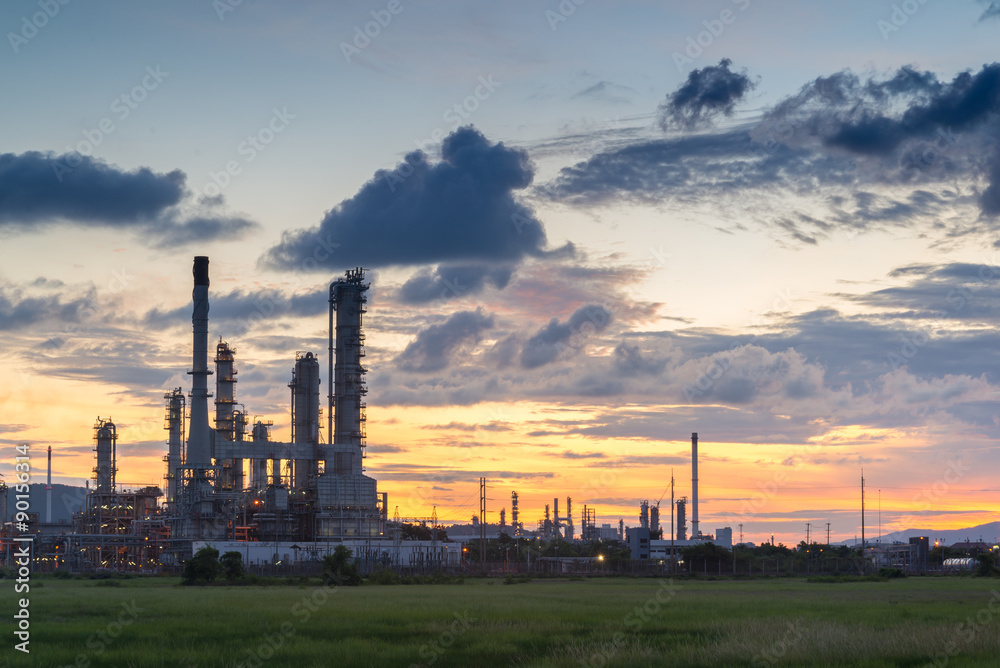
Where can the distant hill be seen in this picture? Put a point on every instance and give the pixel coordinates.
(989, 533)
(66, 499)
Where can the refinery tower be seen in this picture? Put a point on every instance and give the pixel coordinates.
(229, 482)
(233, 485)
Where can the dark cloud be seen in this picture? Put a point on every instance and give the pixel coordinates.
(629, 360)
(19, 310)
(434, 346)
(992, 10)
(966, 102)
(959, 290)
(859, 153)
(707, 93)
(558, 338)
(907, 122)
(171, 230)
(459, 210)
(243, 309)
(37, 187)
(654, 170)
(989, 202)
(606, 91)
(41, 189)
(453, 281)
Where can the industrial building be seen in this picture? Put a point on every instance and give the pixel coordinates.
(237, 487)
(650, 541)
(234, 485)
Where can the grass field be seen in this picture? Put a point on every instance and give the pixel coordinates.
(599, 622)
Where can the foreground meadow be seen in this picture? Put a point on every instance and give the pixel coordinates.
(600, 622)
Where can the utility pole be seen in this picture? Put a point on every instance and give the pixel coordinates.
(828, 533)
(673, 553)
(482, 521)
(807, 534)
(741, 534)
(863, 518)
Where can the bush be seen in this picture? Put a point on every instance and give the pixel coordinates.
(384, 576)
(891, 573)
(339, 568)
(232, 563)
(203, 567)
(108, 583)
(827, 579)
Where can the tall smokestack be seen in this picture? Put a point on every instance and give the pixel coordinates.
(199, 445)
(48, 492)
(695, 530)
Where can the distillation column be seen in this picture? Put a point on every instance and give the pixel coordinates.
(106, 435)
(176, 403)
(569, 518)
(347, 411)
(225, 411)
(305, 414)
(514, 514)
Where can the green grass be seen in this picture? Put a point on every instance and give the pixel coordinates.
(600, 622)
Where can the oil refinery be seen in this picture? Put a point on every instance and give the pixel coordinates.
(235, 487)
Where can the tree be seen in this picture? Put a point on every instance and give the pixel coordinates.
(707, 553)
(232, 564)
(202, 567)
(340, 569)
(986, 567)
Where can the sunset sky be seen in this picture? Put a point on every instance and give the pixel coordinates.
(591, 230)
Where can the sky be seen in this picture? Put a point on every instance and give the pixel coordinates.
(592, 228)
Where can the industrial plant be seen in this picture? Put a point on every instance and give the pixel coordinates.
(236, 487)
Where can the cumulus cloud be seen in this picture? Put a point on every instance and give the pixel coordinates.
(460, 210)
(558, 338)
(38, 190)
(435, 346)
(453, 281)
(709, 92)
(630, 360)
